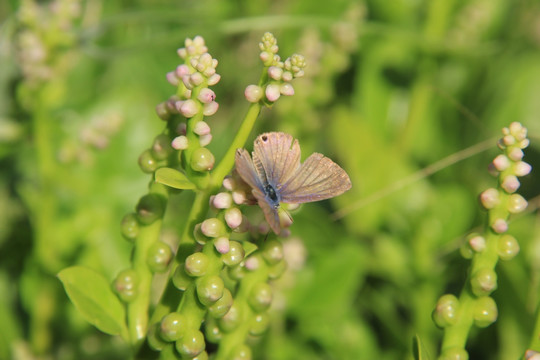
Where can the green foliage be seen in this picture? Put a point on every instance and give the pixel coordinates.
(393, 92)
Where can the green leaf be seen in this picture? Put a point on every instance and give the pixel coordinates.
(173, 178)
(419, 352)
(92, 295)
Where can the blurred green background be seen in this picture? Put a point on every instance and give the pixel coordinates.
(390, 88)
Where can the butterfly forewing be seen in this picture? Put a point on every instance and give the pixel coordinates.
(278, 155)
(318, 178)
(246, 170)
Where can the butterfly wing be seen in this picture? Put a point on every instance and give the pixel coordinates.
(278, 155)
(246, 169)
(318, 178)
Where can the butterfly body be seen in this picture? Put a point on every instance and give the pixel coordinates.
(275, 174)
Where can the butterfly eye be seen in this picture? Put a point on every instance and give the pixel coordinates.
(264, 138)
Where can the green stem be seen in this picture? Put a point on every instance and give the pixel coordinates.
(227, 163)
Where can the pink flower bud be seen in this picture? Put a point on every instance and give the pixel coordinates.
(266, 57)
(515, 154)
(501, 162)
(275, 72)
(214, 79)
(223, 200)
(172, 79)
(196, 78)
(189, 108)
(510, 184)
(180, 143)
(287, 89)
(210, 109)
(252, 263)
(272, 92)
(182, 52)
(206, 96)
(522, 168)
(287, 76)
(205, 139)
(162, 111)
(187, 82)
(477, 243)
(489, 198)
(239, 197)
(233, 217)
(499, 226)
(253, 93)
(201, 128)
(229, 183)
(222, 245)
(508, 140)
(182, 70)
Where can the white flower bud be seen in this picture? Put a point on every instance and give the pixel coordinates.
(272, 92)
(180, 143)
(201, 128)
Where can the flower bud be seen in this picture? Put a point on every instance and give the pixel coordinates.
(455, 353)
(196, 78)
(161, 148)
(235, 255)
(162, 111)
(205, 139)
(212, 331)
(446, 311)
(253, 93)
(237, 272)
(147, 162)
(130, 227)
(233, 217)
(213, 227)
(477, 243)
(210, 109)
(150, 208)
(182, 70)
(231, 319)
(259, 324)
(214, 79)
(180, 143)
(126, 284)
(275, 271)
(199, 236)
(197, 264)
(201, 128)
(221, 306)
(188, 108)
(242, 352)
(172, 78)
(222, 245)
(159, 256)
(181, 279)
(501, 162)
(272, 252)
(154, 339)
(223, 200)
(229, 183)
(515, 154)
(485, 311)
(510, 184)
(489, 198)
(206, 95)
(202, 160)
(272, 92)
(275, 72)
(483, 282)
(286, 89)
(173, 326)
(209, 289)
(252, 263)
(516, 204)
(499, 226)
(239, 197)
(260, 297)
(521, 168)
(508, 247)
(191, 344)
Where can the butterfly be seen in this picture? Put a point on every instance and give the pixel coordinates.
(276, 175)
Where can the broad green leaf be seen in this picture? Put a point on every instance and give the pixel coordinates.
(173, 178)
(92, 295)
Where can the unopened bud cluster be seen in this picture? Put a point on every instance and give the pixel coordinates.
(280, 73)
